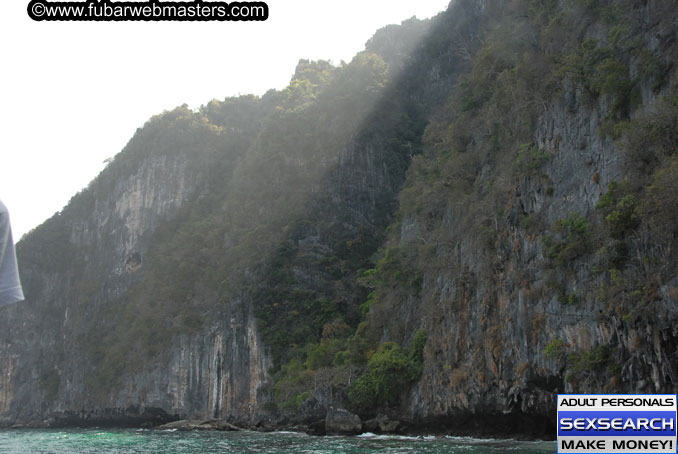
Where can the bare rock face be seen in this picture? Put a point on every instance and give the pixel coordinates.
(82, 264)
(197, 424)
(381, 424)
(342, 422)
(101, 339)
(509, 326)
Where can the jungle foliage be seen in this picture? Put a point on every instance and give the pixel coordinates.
(329, 207)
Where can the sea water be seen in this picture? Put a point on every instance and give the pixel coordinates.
(131, 441)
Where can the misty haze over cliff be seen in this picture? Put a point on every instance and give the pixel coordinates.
(473, 214)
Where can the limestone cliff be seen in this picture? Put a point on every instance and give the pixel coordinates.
(148, 294)
(530, 225)
(78, 266)
(475, 213)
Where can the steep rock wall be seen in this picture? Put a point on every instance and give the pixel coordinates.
(513, 316)
(48, 359)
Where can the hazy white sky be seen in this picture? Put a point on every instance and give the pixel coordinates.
(75, 92)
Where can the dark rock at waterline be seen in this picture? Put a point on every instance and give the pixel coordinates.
(381, 424)
(263, 424)
(317, 428)
(191, 424)
(225, 426)
(130, 416)
(515, 425)
(314, 409)
(342, 422)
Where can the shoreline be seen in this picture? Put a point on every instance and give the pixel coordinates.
(213, 425)
(365, 435)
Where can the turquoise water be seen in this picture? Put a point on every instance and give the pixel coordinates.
(99, 441)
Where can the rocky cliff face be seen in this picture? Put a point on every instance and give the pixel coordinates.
(485, 201)
(530, 286)
(52, 341)
(146, 294)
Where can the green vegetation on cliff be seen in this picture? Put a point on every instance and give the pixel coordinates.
(483, 206)
(495, 210)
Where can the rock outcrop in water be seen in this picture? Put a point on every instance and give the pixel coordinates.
(474, 214)
(342, 422)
